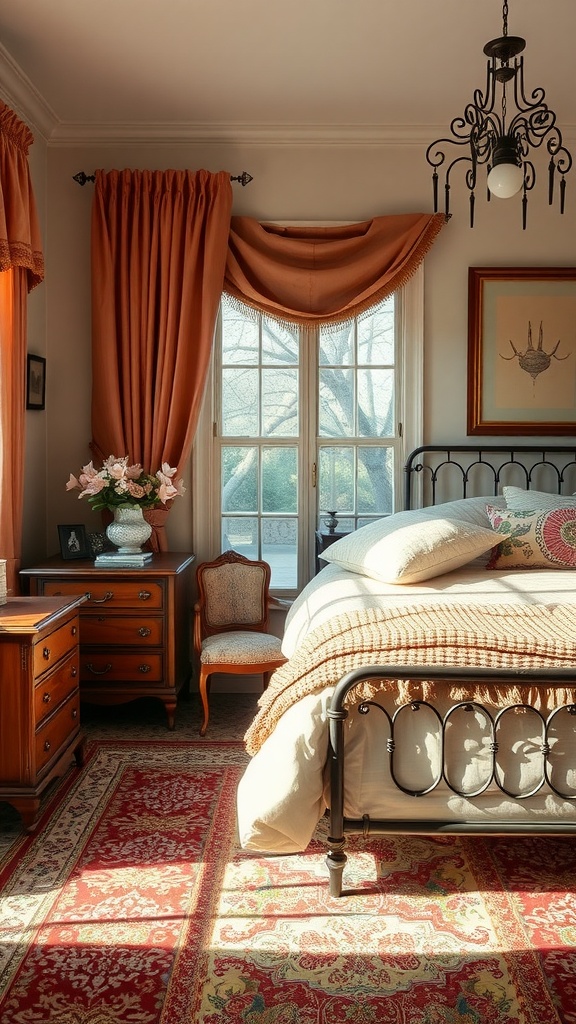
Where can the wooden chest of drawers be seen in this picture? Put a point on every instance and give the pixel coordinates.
(135, 626)
(39, 699)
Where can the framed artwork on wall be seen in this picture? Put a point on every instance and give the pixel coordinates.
(73, 541)
(35, 382)
(522, 350)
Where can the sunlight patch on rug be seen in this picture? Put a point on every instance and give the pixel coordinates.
(134, 905)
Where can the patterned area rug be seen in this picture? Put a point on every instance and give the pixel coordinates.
(133, 905)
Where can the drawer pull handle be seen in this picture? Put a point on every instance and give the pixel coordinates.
(46, 698)
(98, 671)
(144, 631)
(101, 600)
(46, 653)
(144, 668)
(74, 672)
(144, 595)
(74, 630)
(74, 712)
(47, 745)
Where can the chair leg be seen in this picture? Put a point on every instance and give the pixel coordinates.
(204, 687)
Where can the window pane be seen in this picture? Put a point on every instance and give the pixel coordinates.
(375, 403)
(280, 403)
(376, 336)
(337, 346)
(240, 535)
(240, 403)
(240, 335)
(239, 479)
(280, 480)
(279, 343)
(375, 481)
(336, 403)
(336, 480)
(280, 550)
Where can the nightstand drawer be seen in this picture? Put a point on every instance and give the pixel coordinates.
(110, 593)
(50, 692)
(57, 730)
(97, 667)
(54, 646)
(114, 630)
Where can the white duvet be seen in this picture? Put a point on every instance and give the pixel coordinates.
(282, 794)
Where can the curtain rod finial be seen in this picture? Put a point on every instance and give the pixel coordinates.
(82, 178)
(243, 178)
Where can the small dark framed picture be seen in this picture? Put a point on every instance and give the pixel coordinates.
(73, 541)
(36, 382)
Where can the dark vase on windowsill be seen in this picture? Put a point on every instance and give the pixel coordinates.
(331, 521)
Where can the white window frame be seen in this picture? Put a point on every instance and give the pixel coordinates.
(206, 481)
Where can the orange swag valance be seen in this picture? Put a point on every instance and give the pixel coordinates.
(325, 275)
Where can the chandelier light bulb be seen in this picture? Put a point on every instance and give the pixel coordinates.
(505, 180)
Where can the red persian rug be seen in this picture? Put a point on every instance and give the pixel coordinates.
(133, 905)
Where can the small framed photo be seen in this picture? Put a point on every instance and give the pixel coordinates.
(73, 541)
(36, 382)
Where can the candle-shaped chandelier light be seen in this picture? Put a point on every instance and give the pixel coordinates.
(500, 136)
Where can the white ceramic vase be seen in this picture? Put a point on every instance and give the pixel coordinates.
(128, 530)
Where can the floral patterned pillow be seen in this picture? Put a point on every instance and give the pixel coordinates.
(541, 539)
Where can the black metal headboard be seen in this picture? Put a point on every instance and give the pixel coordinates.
(442, 473)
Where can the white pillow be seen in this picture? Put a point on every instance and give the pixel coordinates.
(395, 550)
(520, 500)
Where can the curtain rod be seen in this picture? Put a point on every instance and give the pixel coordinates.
(82, 178)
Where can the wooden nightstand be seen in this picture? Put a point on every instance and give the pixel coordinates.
(39, 701)
(135, 626)
(323, 541)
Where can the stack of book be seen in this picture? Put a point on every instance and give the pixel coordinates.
(3, 594)
(123, 560)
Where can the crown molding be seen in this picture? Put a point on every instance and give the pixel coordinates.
(18, 91)
(24, 99)
(241, 133)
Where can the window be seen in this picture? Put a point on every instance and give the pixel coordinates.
(308, 425)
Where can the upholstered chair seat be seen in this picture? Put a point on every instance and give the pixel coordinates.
(231, 622)
(241, 647)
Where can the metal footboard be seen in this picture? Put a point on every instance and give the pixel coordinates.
(339, 825)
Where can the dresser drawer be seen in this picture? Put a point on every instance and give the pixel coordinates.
(98, 667)
(109, 593)
(57, 730)
(115, 630)
(54, 689)
(47, 652)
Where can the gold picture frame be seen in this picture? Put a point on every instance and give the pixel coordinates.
(522, 351)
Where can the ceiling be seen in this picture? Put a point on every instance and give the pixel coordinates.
(319, 67)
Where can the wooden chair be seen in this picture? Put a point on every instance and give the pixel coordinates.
(231, 622)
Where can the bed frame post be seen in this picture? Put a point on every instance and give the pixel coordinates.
(336, 858)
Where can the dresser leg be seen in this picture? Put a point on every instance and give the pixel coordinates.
(171, 713)
(28, 809)
(79, 752)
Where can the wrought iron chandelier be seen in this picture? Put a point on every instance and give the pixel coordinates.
(500, 139)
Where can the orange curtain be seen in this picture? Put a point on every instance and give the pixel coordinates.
(158, 255)
(328, 275)
(21, 268)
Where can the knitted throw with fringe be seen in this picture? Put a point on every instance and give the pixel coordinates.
(486, 636)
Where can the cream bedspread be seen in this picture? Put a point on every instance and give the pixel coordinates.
(341, 621)
(484, 636)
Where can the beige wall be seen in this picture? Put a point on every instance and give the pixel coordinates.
(297, 182)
